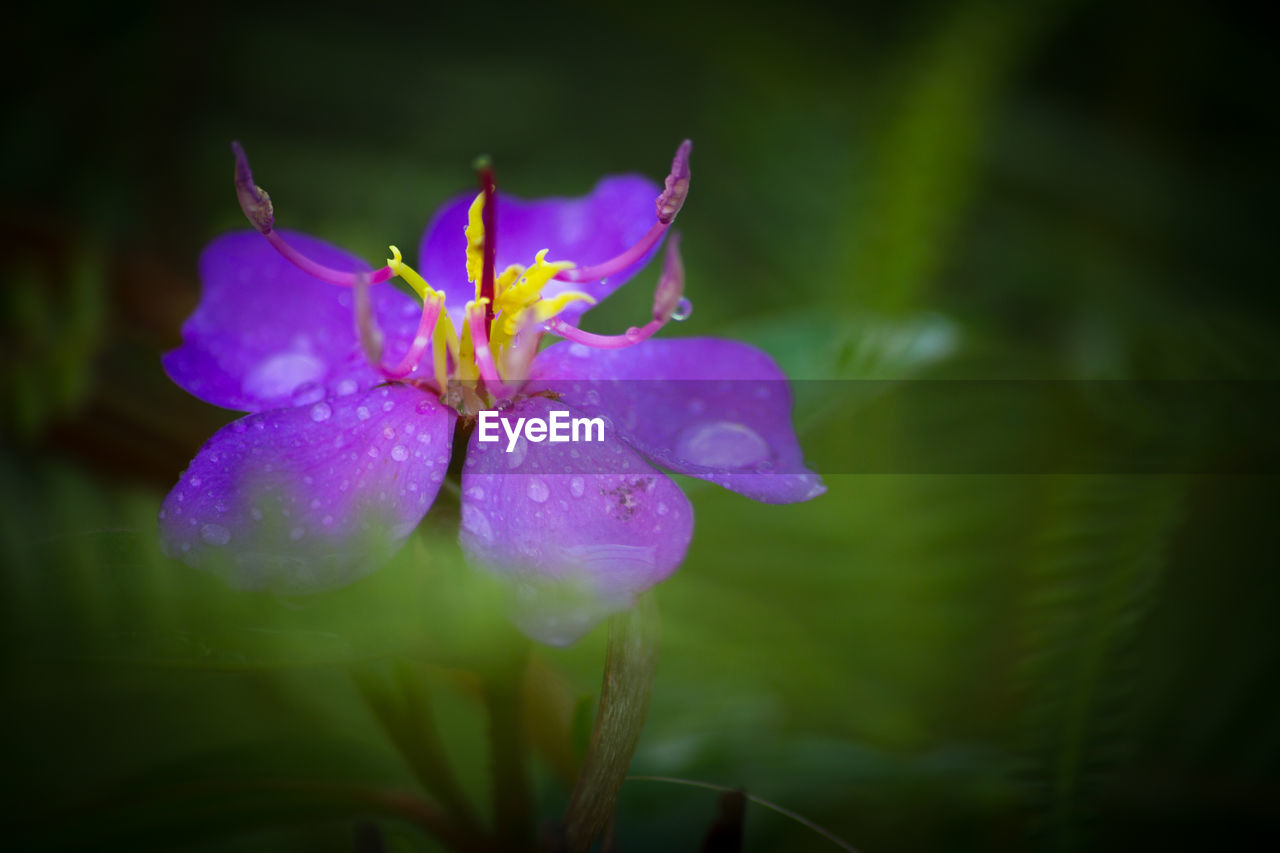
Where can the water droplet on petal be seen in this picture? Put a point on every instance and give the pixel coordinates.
(662, 508)
(722, 444)
(327, 521)
(683, 309)
(577, 487)
(388, 406)
(307, 392)
(579, 350)
(321, 412)
(474, 522)
(195, 482)
(362, 413)
(278, 375)
(424, 437)
(388, 433)
(215, 534)
(347, 387)
(516, 456)
(537, 490)
(373, 451)
(632, 334)
(399, 453)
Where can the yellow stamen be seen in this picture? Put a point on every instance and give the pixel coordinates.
(475, 242)
(410, 275)
(467, 370)
(527, 290)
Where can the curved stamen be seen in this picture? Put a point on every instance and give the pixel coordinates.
(320, 271)
(476, 320)
(633, 336)
(619, 263)
(426, 327)
(668, 204)
(666, 297)
(258, 209)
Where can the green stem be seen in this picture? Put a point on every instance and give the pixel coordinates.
(513, 810)
(630, 665)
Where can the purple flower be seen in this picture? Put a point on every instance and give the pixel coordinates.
(343, 451)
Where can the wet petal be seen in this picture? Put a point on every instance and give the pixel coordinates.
(312, 497)
(267, 335)
(580, 528)
(715, 409)
(586, 230)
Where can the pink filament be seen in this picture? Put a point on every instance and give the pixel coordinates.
(573, 333)
(619, 263)
(320, 271)
(427, 325)
(484, 357)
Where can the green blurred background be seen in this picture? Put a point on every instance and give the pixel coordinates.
(1052, 190)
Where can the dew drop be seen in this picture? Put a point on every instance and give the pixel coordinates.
(362, 413)
(537, 490)
(683, 309)
(722, 444)
(388, 406)
(307, 392)
(662, 508)
(346, 387)
(373, 451)
(195, 482)
(424, 437)
(388, 433)
(321, 412)
(577, 487)
(474, 522)
(399, 453)
(215, 534)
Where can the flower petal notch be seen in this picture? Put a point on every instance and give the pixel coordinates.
(579, 529)
(312, 497)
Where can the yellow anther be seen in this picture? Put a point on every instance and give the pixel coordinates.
(544, 309)
(509, 275)
(527, 290)
(475, 241)
(410, 275)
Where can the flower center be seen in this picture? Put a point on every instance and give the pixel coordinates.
(487, 360)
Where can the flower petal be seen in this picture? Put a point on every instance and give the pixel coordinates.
(310, 497)
(715, 409)
(267, 335)
(587, 230)
(581, 527)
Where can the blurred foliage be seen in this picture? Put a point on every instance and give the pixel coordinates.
(1048, 190)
